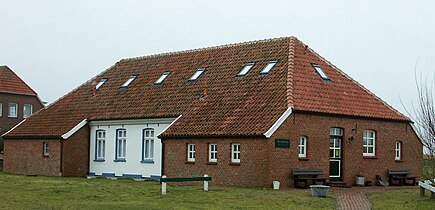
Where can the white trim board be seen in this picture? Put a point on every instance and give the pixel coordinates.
(279, 122)
(75, 129)
(14, 127)
(169, 126)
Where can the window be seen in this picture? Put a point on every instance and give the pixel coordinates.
(191, 152)
(163, 77)
(197, 74)
(13, 110)
(212, 153)
(320, 71)
(148, 144)
(45, 149)
(102, 81)
(302, 146)
(235, 153)
(27, 110)
(268, 67)
(246, 69)
(121, 141)
(100, 145)
(369, 140)
(127, 83)
(398, 151)
(1, 109)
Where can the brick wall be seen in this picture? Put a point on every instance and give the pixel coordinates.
(76, 153)
(262, 163)
(6, 122)
(26, 157)
(250, 172)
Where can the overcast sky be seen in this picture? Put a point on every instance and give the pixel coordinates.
(57, 45)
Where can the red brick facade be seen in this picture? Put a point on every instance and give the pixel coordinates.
(261, 163)
(25, 156)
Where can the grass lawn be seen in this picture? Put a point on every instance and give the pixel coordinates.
(22, 192)
(401, 199)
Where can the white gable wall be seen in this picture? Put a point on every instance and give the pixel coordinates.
(132, 165)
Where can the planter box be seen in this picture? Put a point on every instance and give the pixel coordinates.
(319, 190)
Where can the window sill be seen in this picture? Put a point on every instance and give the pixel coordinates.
(234, 164)
(99, 160)
(211, 163)
(119, 160)
(370, 157)
(46, 156)
(147, 161)
(398, 161)
(304, 159)
(190, 162)
(12, 117)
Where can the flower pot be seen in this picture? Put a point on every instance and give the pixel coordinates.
(360, 180)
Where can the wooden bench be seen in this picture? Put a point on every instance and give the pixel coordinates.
(305, 175)
(164, 180)
(400, 177)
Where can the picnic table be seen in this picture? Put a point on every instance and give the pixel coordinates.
(401, 176)
(306, 175)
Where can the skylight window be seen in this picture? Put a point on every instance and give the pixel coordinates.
(246, 69)
(197, 74)
(268, 67)
(102, 81)
(163, 77)
(320, 71)
(129, 81)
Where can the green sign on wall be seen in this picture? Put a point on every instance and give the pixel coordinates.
(282, 143)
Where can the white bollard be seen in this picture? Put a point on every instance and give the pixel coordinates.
(163, 186)
(205, 183)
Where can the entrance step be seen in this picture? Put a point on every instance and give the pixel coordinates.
(339, 184)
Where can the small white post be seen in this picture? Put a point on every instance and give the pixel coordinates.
(205, 183)
(163, 186)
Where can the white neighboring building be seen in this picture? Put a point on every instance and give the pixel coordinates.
(127, 148)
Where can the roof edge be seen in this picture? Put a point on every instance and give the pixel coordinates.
(4, 135)
(416, 132)
(279, 122)
(169, 125)
(74, 129)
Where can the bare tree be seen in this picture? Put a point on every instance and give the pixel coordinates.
(423, 114)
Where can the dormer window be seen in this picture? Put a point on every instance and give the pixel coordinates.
(268, 67)
(198, 73)
(102, 81)
(129, 81)
(320, 71)
(246, 69)
(162, 78)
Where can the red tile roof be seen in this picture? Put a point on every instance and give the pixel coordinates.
(11, 83)
(233, 105)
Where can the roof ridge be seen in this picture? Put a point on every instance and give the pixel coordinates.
(209, 48)
(290, 69)
(354, 81)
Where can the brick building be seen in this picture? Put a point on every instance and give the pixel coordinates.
(245, 114)
(17, 100)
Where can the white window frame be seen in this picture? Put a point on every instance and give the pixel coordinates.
(235, 153)
(25, 115)
(101, 83)
(398, 151)
(302, 147)
(148, 144)
(190, 152)
(197, 74)
(366, 145)
(100, 145)
(162, 78)
(45, 149)
(121, 144)
(320, 71)
(212, 153)
(16, 110)
(1, 109)
(129, 81)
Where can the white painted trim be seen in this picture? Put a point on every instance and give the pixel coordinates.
(14, 127)
(169, 126)
(278, 123)
(75, 129)
(132, 121)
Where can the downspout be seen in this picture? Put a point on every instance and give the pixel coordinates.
(163, 158)
(61, 157)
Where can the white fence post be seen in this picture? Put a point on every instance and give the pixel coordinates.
(163, 186)
(205, 183)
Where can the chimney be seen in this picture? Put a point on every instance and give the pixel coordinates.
(94, 88)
